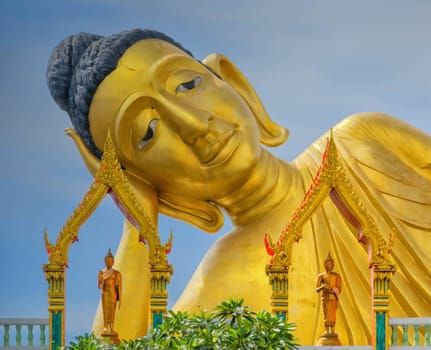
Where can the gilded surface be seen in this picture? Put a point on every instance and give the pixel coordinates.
(109, 282)
(55, 276)
(110, 178)
(190, 138)
(329, 286)
(330, 176)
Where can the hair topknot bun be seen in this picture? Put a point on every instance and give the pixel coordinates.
(62, 63)
(80, 63)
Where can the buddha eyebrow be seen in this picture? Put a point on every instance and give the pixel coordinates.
(122, 64)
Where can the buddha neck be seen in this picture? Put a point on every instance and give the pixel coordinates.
(267, 187)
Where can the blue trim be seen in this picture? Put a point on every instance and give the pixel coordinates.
(157, 318)
(381, 330)
(282, 315)
(56, 330)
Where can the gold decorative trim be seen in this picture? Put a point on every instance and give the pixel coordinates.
(331, 176)
(109, 177)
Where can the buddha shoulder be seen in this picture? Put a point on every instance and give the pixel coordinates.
(375, 123)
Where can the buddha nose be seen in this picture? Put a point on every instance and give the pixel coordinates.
(192, 123)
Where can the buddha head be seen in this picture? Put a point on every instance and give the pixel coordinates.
(187, 131)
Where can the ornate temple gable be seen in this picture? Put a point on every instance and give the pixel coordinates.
(108, 179)
(331, 180)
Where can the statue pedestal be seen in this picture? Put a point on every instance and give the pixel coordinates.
(110, 337)
(328, 339)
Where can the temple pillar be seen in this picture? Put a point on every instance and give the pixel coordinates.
(160, 278)
(278, 278)
(382, 276)
(55, 276)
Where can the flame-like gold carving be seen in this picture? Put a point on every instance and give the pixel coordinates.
(109, 177)
(331, 176)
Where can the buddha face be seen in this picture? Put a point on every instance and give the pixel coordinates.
(109, 262)
(328, 265)
(174, 123)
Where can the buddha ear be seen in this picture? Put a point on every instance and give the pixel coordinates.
(271, 134)
(90, 160)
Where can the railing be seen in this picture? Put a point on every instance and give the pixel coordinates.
(406, 332)
(27, 328)
(414, 332)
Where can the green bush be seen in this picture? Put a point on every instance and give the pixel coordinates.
(87, 342)
(230, 326)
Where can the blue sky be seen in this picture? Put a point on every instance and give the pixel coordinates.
(312, 63)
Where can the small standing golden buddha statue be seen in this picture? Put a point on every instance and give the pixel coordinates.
(109, 282)
(329, 285)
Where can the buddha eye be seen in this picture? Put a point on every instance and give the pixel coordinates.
(152, 126)
(188, 85)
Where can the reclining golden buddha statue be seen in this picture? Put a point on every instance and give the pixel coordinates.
(189, 137)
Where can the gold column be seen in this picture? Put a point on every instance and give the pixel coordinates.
(160, 278)
(55, 276)
(382, 276)
(108, 178)
(278, 278)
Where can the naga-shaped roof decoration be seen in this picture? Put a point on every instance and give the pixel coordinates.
(108, 179)
(331, 180)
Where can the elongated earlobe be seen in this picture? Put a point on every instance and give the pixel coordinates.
(271, 134)
(90, 160)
